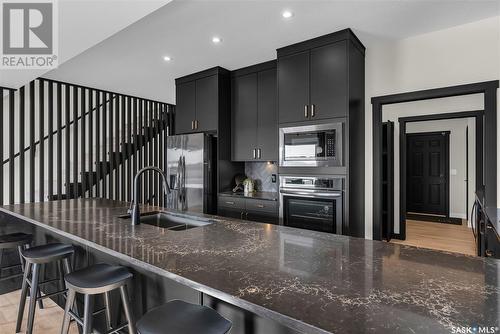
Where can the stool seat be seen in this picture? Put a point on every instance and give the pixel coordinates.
(179, 317)
(97, 278)
(13, 240)
(47, 253)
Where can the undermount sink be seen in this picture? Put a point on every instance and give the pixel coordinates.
(169, 221)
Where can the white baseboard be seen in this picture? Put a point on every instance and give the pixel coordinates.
(458, 215)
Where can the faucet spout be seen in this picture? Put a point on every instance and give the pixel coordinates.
(134, 210)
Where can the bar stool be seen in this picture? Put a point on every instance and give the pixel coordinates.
(179, 317)
(97, 279)
(17, 241)
(34, 258)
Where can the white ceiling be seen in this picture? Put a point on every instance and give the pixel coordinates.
(83, 24)
(131, 61)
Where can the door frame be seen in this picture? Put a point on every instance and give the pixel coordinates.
(478, 115)
(403, 160)
(489, 91)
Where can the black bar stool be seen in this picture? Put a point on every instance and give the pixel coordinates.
(17, 241)
(34, 258)
(179, 317)
(97, 279)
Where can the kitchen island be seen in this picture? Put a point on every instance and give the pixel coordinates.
(310, 282)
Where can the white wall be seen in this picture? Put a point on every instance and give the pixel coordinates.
(459, 55)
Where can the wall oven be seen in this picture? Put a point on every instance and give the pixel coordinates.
(313, 203)
(318, 145)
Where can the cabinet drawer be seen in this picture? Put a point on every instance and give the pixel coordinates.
(261, 205)
(262, 217)
(231, 202)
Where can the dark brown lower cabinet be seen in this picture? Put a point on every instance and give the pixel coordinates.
(248, 209)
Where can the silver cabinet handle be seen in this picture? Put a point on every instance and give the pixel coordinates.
(313, 113)
(196, 124)
(254, 153)
(258, 153)
(228, 202)
(192, 125)
(260, 206)
(241, 215)
(306, 114)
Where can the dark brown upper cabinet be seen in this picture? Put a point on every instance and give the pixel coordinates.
(254, 116)
(313, 78)
(293, 87)
(185, 107)
(199, 104)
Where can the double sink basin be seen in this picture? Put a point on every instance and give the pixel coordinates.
(169, 221)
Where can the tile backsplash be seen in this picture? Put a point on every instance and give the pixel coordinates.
(262, 173)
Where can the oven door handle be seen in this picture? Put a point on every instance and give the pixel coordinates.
(311, 194)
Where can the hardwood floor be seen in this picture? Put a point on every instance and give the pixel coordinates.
(446, 237)
(47, 321)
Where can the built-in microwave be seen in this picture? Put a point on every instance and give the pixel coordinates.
(318, 145)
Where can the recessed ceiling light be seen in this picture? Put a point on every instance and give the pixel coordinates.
(216, 40)
(167, 58)
(287, 14)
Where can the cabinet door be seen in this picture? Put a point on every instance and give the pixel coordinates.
(230, 213)
(267, 122)
(329, 81)
(207, 103)
(293, 87)
(185, 107)
(244, 107)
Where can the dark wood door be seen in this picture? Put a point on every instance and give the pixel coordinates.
(293, 87)
(207, 103)
(329, 81)
(427, 173)
(185, 107)
(267, 129)
(244, 106)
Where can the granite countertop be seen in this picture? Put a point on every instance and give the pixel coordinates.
(311, 281)
(264, 195)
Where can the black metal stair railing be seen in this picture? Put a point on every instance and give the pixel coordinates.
(82, 142)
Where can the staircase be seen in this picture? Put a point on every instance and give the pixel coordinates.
(64, 141)
(103, 169)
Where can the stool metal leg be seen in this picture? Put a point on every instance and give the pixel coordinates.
(70, 299)
(126, 308)
(19, 249)
(33, 296)
(107, 304)
(87, 313)
(24, 294)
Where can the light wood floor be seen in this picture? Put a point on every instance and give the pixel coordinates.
(47, 321)
(446, 237)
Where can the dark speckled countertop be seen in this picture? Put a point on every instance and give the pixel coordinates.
(311, 281)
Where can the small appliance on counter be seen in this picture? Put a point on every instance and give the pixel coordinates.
(238, 181)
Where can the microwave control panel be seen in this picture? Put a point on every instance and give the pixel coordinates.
(330, 144)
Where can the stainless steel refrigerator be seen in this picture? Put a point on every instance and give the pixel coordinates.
(191, 165)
